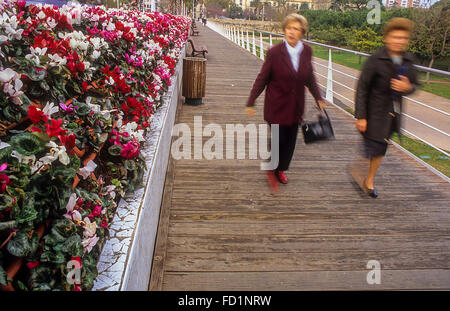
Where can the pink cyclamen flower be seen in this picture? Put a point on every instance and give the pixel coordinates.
(4, 179)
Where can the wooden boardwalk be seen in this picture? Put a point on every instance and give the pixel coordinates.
(221, 229)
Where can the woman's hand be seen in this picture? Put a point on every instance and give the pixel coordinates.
(401, 85)
(321, 105)
(361, 125)
(250, 111)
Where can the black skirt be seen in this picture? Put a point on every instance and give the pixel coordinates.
(374, 148)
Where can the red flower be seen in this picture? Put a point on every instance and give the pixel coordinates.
(54, 128)
(80, 66)
(36, 115)
(4, 179)
(96, 211)
(104, 223)
(77, 258)
(130, 150)
(68, 142)
(32, 264)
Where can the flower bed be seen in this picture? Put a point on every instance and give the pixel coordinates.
(79, 89)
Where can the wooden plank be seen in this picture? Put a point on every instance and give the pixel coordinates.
(306, 228)
(438, 279)
(312, 243)
(341, 261)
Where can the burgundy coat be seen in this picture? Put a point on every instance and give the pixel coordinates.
(284, 102)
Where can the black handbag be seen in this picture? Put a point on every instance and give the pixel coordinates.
(321, 129)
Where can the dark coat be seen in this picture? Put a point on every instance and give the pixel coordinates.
(374, 96)
(284, 102)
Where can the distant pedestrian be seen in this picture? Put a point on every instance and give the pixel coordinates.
(204, 21)
(387, 75)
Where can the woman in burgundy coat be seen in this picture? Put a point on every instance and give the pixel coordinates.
(285, 72)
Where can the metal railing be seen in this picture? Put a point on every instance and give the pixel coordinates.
(235, 34)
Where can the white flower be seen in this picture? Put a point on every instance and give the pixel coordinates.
(90, 237)
(88, 169)
(41, 15)
(83, 45)
(23, 159)
(110, 27)
(89, 243)
(37, 165)
(7, 74)
(59, 152)
(35, 53)
(96, 54)
(3, 145)
(56, 60)
(51, 23)
(13, 90)
(110, 190)
(130, 128)
(71, 214)
(89, 228)
(50, 109)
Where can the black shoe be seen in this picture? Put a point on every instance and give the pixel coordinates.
(371, 192)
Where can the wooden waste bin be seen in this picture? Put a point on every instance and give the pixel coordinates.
(194, 79)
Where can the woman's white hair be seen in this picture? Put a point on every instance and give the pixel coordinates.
(294, 17)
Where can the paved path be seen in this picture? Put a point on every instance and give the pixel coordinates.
(221, 229)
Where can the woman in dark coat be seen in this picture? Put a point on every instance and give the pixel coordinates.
(286, 71)
(387, 75)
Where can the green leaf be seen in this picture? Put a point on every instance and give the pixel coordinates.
(6, 202)
(114, 150)
(3, 276)
(83, 109)
(8, 225)
(5, 153)
(45, 85)
(130, 165)
(35, 75)
(73, 246)
(56, 257)
(20, 245)
(27, 144)
(22, 286)
(28, 213)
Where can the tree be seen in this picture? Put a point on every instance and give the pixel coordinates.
(304, 6)
(430, 35)
(235, 11)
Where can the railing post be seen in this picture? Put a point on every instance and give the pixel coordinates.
(254, 44)
(242, 38)
(248, 42)
(270, 43)
(234, 34)
(329, 92)
(238, 36)
(261, 48)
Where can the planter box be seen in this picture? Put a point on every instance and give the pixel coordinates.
(126, 259)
